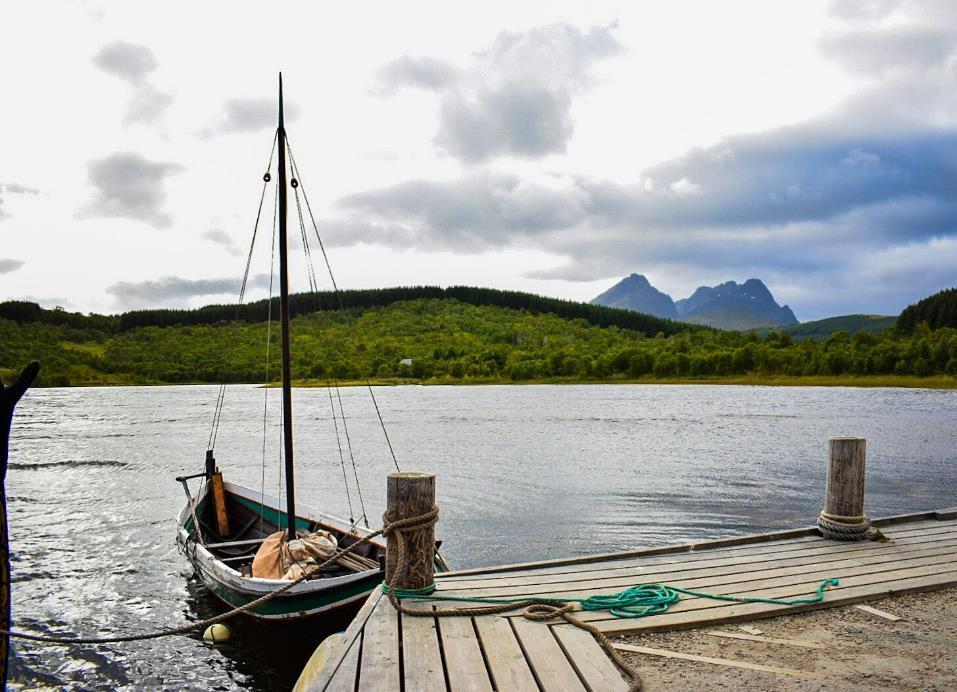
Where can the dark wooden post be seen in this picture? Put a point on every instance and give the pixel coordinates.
(843, 516)
(411, 494)
(9, 396)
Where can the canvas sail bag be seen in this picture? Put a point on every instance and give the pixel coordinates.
(278, 558)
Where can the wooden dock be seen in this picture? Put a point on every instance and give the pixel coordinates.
(384, 650)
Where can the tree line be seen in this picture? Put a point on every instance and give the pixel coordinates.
(455, 341)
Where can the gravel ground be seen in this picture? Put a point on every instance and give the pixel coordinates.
(865, 652)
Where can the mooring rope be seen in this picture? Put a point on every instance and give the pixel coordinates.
(843, 528)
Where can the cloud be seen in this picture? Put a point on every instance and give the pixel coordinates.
(173, 291)
(9, 265)
(220, 237)
(133, 63)
(249, 115)
(515, 97)
(129, 186)
(14, 189)
(18, 189)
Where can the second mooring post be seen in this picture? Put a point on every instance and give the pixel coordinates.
(843, 516)
(411, 494)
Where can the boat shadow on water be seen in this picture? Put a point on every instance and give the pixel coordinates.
(264, 655)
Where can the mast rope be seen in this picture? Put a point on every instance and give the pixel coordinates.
(272, 276)
(355, 471)
(342, 462)
(335, 287)
(221, 396)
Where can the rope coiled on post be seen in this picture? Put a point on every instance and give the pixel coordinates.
(843, 528)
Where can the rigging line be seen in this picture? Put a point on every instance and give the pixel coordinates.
(217, 413)
(272, 274)
(314, 286)
(342, 461)
(332, 278)
(355, 471)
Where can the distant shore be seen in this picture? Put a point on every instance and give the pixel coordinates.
(899, 381)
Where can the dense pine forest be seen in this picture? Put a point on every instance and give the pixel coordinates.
(448, 338)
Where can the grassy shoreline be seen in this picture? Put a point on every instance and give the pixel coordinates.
(896, 381)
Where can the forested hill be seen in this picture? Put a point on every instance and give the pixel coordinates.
(938, 310)
(449, 341)
(362, 299)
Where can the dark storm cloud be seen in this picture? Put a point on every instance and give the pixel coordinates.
(249, 115)
(133, 64)
(9, 265)
(176, 291)
(129, 186)
(514, 99)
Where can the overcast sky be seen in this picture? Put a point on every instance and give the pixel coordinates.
(548, 147)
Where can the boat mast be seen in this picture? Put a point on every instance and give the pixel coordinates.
(284, 321)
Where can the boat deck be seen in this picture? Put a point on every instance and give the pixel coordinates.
(383, 649)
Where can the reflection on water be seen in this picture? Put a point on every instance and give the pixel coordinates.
(524, 473)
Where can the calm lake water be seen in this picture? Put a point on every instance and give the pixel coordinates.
(524, 472)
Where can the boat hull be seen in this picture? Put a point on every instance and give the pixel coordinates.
(310, 598)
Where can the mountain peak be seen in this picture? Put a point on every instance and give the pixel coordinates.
(635, 292)
(729, 305)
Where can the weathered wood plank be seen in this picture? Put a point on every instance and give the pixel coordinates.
(904, 532)
(925, 579)
(311, 681)
(345, 678)
(791, 586)
(650, 573)
(685, 547)
(590, 660)
(546, 658)
(420, 655)
(737, 573)
(463, 656)
(507, 665)
(379, 668)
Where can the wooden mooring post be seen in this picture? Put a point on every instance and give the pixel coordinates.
(411, 494)
(843, 515)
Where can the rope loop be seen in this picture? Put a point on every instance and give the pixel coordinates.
(843, 528)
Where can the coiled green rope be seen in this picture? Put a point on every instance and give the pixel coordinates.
(636, 601)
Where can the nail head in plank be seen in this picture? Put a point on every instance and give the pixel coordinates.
(507, 665)
(716, 661)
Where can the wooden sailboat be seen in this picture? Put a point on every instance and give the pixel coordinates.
(221, 529)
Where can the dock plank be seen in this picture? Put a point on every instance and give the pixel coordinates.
(547, 659)
(740, 573)
(506, 661)
(463, 655)
(379, 668)
(345, 677)
(421, 656)
(589, 660)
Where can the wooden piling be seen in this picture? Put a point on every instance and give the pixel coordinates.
(844, 496)
(843, 516)
(411, 494)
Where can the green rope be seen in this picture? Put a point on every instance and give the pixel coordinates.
(636, 601)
